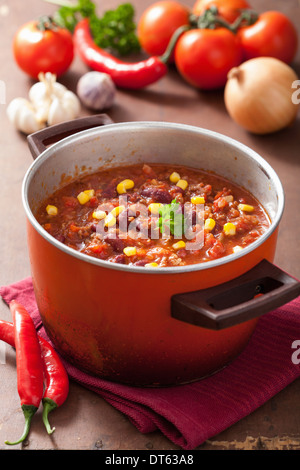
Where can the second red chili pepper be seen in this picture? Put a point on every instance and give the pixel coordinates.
(56, 381)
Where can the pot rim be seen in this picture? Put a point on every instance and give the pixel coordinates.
(260, 161)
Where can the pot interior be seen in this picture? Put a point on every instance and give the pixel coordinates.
(156, 142)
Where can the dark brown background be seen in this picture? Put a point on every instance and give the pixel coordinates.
(86, 421)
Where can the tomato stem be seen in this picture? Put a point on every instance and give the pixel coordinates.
(246, 18)
(46, 23)
(173, 41)
(210, 20)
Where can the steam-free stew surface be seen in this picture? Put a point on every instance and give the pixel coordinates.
(153, 215)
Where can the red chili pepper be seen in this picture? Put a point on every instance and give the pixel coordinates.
(30, 378)
(7, 333)
(56, 381)
(125, 75)
(55, 375)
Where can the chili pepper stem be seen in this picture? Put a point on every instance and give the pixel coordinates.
(28, 411)
(48, 406)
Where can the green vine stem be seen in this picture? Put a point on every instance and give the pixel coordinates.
(173, 41)
(209, 20)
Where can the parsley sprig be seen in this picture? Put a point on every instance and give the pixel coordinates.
(115, 30)
(171, 219)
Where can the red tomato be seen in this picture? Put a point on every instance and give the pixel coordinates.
(158, 23)
(37, 50)
(228, 9)
(205, 56)
(272, 35)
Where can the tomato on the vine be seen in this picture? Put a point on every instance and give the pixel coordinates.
(205, 56)
(158, 23)
(273, 35)
(227, 9)
(42, 46)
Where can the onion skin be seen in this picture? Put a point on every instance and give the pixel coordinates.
(258, 95)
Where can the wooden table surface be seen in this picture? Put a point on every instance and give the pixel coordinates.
(86, 421)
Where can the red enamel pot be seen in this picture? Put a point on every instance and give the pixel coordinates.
(134, 324)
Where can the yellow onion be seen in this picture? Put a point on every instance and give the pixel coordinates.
(259, 95)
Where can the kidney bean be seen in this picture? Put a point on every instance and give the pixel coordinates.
(182, 253)
(116, 243)
(158, 195)
(140, 263)
(120, 259)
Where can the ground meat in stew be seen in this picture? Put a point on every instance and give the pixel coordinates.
(139, 215)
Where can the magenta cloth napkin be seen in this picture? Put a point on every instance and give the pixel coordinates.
(190, 414)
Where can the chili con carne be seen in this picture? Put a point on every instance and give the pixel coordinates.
(136, 215)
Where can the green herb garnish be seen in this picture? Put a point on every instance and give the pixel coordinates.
(115, 30)
(171, 218)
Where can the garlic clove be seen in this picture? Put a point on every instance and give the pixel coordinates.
(58, 90)
(22, 114)
(71, 102)
(64, 109)
(56, 112)
(40, 99)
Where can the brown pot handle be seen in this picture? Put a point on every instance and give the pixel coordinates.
(39, 141)
(238, 300)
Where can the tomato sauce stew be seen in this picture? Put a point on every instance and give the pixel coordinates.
(153, 215)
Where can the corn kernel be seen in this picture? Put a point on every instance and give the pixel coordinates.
(209, 224)
(174, 177)
(130, 251)
(179, 245)
(183, 184)
(154, 207)
(151, 265)
(110, 220)
(198, 200)
(51, 210)
(229, 228)
(89, 192)
(117, 210)
(245, 207)
(236, 249)
(85, 196)
(124, 185)
(99, 215)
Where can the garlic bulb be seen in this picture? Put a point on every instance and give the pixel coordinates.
(53, 101)
(42, 92)
(96, 90)
(22, 114)
(49, 103)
